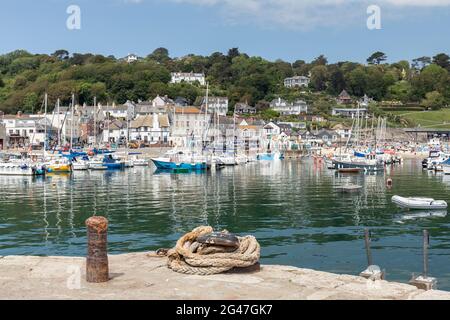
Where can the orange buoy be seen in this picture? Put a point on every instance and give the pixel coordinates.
(389, 183)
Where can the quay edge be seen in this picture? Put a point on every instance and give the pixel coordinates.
(138, 276)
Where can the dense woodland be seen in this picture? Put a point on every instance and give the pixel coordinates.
(25, 77)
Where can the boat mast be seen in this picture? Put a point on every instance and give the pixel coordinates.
(95, 122)
(45, 124)
(206, 117)
(59, 122)
(71, 122)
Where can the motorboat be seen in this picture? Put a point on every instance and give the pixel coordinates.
(21, 169)
(419, 203)
(434, 160)
(80, 163)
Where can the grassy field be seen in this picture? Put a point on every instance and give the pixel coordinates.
(428, 119)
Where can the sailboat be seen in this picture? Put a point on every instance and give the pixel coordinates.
(57, 163)
(358, 161)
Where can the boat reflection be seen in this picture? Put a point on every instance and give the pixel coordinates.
(404, 217)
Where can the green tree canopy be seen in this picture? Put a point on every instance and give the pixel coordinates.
(377, 58)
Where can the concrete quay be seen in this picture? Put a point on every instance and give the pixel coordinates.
(139, 276)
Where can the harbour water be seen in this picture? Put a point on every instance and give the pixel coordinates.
(294, 208)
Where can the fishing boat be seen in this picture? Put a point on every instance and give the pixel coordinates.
(358, 165)
(419, 203)
(167, 164)
(106, 162)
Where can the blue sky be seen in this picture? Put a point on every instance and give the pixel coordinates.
(285, 29)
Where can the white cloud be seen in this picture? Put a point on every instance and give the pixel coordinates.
(301, 14)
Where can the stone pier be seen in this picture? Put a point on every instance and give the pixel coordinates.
(138, 276)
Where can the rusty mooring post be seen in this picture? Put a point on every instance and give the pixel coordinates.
(97, 254)
(424, 282)
(373, 272)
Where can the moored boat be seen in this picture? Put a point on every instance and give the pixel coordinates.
(419, 203)
(21, 169)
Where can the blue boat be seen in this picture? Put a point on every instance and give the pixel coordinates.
(270, 156)
(107, 163)
(163, 164)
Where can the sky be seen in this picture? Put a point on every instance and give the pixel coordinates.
(274, 29)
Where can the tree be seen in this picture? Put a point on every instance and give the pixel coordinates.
(400, 91)
(442, 60)
(319, 76)
(20, 83)
(61, 54)
(2, 84)
(432, 78)
(420, 63)
(433, 100)
(270, 114)
(30, 102)
(320, 61)
(377, 58)
(233, 53)
(160, 55)
(357, 81)
(337, 80)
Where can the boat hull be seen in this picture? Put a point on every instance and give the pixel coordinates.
(168, 165)
(342, 165)
(419, 203)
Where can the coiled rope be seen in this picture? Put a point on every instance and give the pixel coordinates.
(191, 257)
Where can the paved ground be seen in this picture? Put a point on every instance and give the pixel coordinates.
(137, 276)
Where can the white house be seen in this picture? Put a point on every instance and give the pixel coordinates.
(217, 105)
(131, 57)
(178, 77)
(349, 112)
(285, 108)
(162, 101)
(296, 82)
(23, 129)
(115, 131)
(151, 129)
(271, 129)
(117, 112)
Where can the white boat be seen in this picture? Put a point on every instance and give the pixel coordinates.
(419, 203)
(129, 163)
(446, 168)
(96, 163)
(20, 169)
(80, 165)
(139, 162)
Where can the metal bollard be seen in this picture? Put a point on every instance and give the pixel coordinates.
(426, 243)
(97, 254)
(373, 272)
(367, 242)
(423, 281)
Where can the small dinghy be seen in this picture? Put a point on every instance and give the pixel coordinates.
(419, 203)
